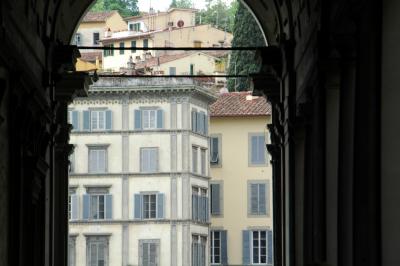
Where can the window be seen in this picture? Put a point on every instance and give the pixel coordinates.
(71, 250)
(172, 71)
(257, 247)
(258, 198)
(133, 45)
(215, 150)
(73, 119)
(191, 69)
(73, 204)
(199, 122)
(257, 149)
(97, 250)
(149, 205)
(97, 120)
(194, 159)
(134, 26)
(149, 252)
(97, 160)
(203, 161)
(151, 118)
(145, 43)
(149, 159)
(199, 204)
(218, 248)
(216, 198)
(71, 166)
(122, 45)
(97, 204)
(78, 39)
(109, 52)
(199, 250)
(96, 38)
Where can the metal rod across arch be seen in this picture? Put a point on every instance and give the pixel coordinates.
(172, 48)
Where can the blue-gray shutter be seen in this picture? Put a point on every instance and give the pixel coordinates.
(261, 199)
(86, 120)
(261, 149)
(108, 205)
(194, 121)
(246, 247)
(75, 120)
(138, 119)
(194, 207)
(160, 205)
(254, 199)
(270, 247)
(224, 249)
(205, 124)
(138, 206)
(207, 210)
(86, 206)
(108, 120)
(74, 207)
(160, 118)
(215, 199)
(198, 122)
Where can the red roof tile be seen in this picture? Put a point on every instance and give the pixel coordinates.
(91, 56)
(236, 104)
(97, 16)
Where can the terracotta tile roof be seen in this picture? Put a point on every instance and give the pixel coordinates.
(236, 104)
(91, 56)
(98, 16)
(155, 61)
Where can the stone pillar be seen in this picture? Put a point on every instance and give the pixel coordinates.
(67, 86)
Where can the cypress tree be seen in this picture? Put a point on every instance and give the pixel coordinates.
(246, 32)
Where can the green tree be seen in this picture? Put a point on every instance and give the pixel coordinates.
(218, 14)
(124, 7)
(246, 32)
(181, 4)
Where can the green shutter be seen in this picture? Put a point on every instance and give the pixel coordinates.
(246, 247)
(215, 199)
(224, 248)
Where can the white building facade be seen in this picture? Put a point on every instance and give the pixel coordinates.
(139, 174)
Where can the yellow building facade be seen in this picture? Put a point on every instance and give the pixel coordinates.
(241, 181)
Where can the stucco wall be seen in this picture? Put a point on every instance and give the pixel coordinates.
(234, 173)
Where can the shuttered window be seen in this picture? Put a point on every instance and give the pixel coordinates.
(199, 122)
(97, 120)
(71, 251)
(97, 206)
(97, 160)
(257, 247)
(97, 251)
(258, 198)
(199, 250)
(149, 252)
(148, 160)
(215, 150)
(257, 150)
(216, 199)
(218, 248)
(73, 206)
(73, 119)
(172, 71)
(133, 45)
(200, 207)
(148, 119)
(203, 162)
(145, 43)
(194, 159)
(122, 45)
(148, 206)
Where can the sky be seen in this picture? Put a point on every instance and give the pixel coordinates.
(163, 5)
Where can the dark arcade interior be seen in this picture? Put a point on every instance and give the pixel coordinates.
(330, 72)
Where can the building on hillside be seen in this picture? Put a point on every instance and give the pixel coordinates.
(92, 29)
(187, 63)
(241, 176)
(179, 32)
(139, 174)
